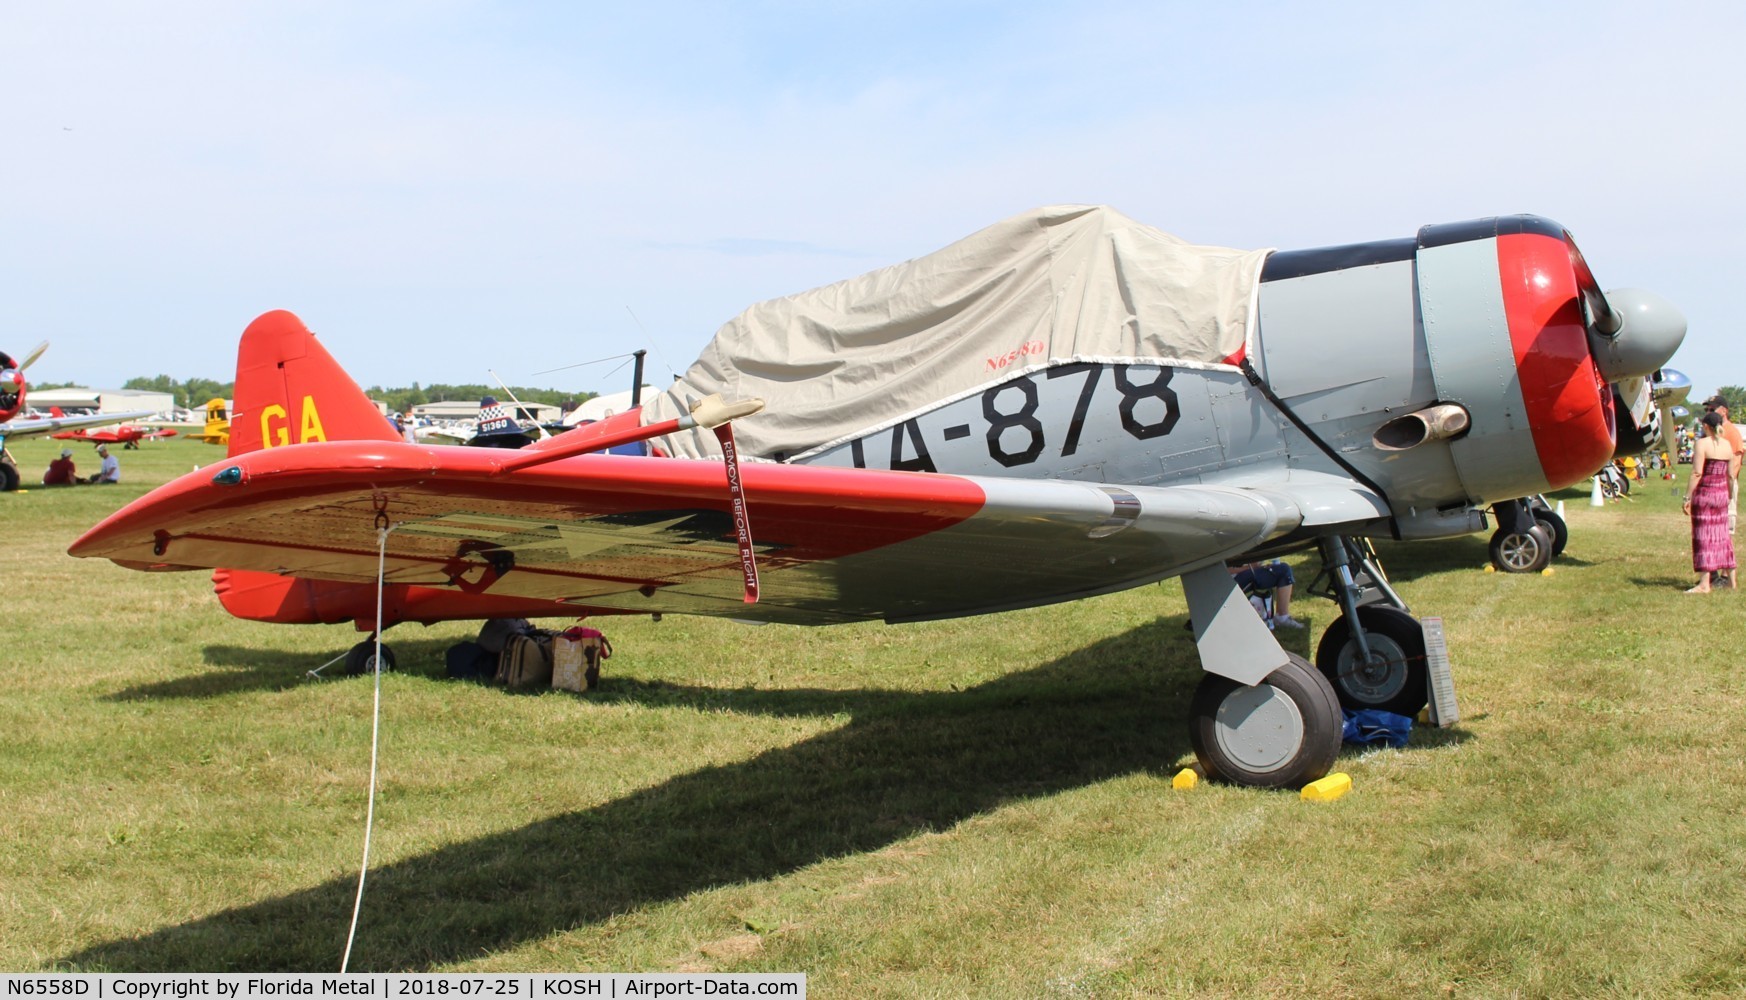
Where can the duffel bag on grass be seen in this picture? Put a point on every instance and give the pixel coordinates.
(469, 661)
(524, 663)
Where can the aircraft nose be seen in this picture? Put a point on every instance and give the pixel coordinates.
(1650, 329)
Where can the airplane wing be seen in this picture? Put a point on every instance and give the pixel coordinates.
(26, 427)
(441, 435)
(635, 534)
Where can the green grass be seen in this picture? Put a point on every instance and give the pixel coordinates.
(977, 807)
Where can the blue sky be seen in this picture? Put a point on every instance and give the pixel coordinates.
(439, 188)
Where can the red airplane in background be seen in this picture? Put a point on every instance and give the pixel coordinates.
(12, 390)
(126, 435)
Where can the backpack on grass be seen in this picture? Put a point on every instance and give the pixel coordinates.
(524, 662)
(469, 661)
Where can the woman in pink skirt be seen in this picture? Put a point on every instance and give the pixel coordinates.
(1714, 466)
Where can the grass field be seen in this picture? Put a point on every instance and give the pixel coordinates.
(969, 808)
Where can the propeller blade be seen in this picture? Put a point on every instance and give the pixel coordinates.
(30, 358)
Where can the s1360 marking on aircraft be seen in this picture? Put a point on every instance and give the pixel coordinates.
(1116, 437)
(13, 386)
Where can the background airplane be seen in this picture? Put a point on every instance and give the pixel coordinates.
(13, 387)
(1394, 389)
(126, 435)
(217, 429)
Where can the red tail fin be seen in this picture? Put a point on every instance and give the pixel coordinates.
(289, 390)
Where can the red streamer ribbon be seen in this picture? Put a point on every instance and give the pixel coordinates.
(724, 433)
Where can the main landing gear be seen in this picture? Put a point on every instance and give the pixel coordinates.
(1261, 716)
(1374, 654)
(1268, 718)
(1529, 535)
(361, 659)
(1283, 732)
(9, 477)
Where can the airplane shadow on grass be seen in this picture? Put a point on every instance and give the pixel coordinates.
(249, 669)
(1405, 562)
(906, 763)
(901, 766)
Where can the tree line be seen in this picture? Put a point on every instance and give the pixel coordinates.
(194, 392)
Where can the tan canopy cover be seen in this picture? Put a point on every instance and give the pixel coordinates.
(1058, 283)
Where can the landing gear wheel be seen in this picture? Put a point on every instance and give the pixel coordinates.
(1552, 521)
(1556, 528)
(8, 476)
(361, 659)
(1521, 551)
(1395, 677)
(1282, 733)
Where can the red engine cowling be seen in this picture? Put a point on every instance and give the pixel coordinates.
(1569, 406)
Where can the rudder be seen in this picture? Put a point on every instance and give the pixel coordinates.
(289, 390)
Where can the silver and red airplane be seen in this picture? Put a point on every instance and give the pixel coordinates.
(1394, 389)
(12, 394)
(126, 435)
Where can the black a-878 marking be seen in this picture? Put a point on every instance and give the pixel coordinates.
(1014, 429)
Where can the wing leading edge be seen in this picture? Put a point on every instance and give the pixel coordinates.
(644, 535)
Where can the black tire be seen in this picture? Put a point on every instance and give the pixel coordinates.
(1396, 680)
(8, 477)
(1555, 527)
(1521, 551)
(360, 658)
(1281, 733)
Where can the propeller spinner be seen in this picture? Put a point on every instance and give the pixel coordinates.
(1638, 333)
(12, 381)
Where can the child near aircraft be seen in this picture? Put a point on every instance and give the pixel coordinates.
(60, 471)
(110, 470)
(1275, 576)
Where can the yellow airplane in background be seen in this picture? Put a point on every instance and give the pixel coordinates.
(217, 424)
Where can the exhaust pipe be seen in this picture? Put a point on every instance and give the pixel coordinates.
(1439, 422)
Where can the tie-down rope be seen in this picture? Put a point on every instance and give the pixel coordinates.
(382, 530)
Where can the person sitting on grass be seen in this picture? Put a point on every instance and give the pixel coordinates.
(110, 471)
(1275, 576)
(60, 471)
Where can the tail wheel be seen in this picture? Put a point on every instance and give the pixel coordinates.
(1282, 733)
(1522, 551)
(361, 659)
(1394, 679)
